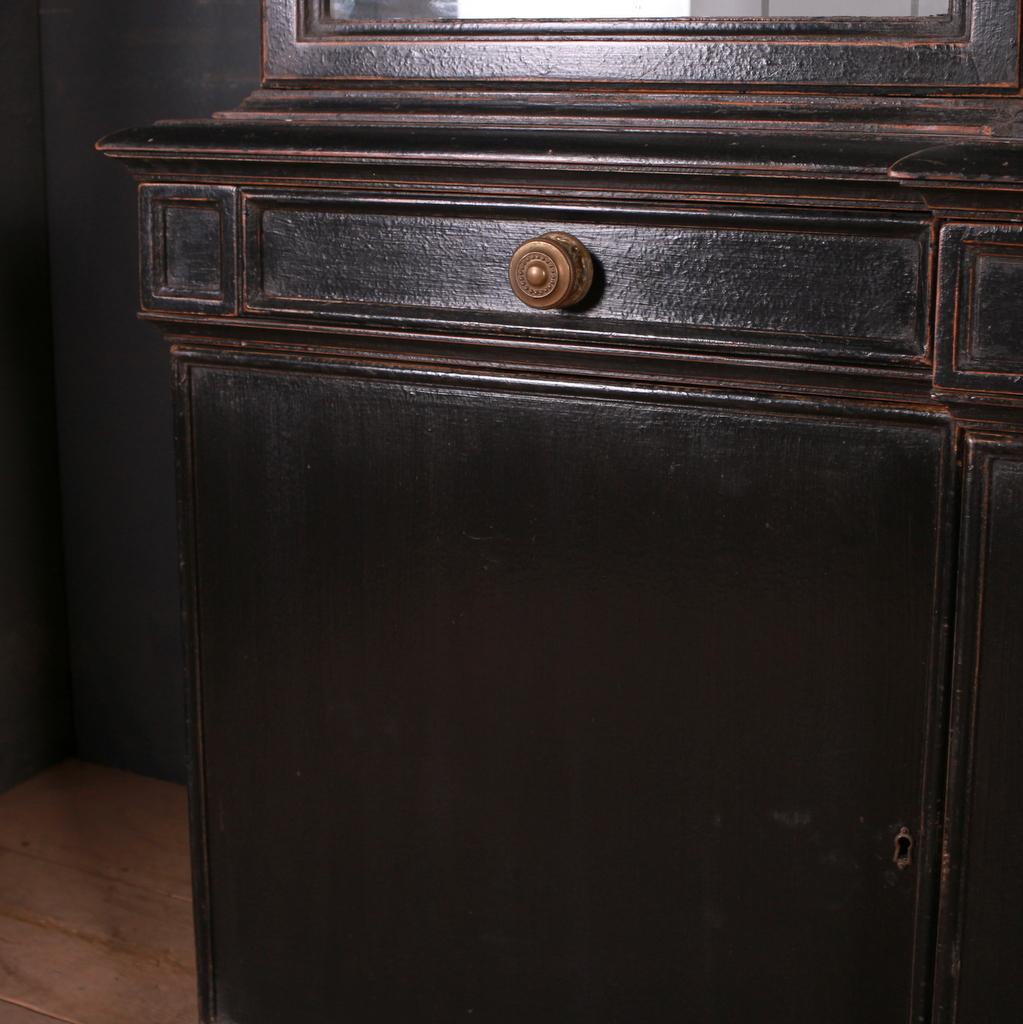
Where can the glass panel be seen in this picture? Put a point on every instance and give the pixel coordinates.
(410, 10)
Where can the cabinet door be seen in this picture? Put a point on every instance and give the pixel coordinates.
(981, 949)
(930, 46)
(527, 702)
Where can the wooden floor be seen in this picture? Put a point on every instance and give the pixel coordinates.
(95, 900)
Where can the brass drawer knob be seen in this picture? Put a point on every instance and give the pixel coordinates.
(552, 271)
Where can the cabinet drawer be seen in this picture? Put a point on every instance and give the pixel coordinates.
(844, 289)
(980, 308)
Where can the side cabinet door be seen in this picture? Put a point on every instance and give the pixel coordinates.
(532, 702)
(980, 962)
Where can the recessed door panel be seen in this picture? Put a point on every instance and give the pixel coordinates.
(537, 705)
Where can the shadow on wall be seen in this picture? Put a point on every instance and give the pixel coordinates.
(35, 705)
(108, 66)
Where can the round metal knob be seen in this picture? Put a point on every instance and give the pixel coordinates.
(552, 271)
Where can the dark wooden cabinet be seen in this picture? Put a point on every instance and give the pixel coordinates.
(654, 658)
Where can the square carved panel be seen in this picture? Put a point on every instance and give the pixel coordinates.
(189, 248)
(980, 308)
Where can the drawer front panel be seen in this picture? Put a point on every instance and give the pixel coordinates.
(980, 308)
(846, 289)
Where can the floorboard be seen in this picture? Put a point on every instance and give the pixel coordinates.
(111, 823)
(95, 920)
(11, 1014)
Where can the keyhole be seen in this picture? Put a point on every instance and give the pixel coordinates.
(903, 849)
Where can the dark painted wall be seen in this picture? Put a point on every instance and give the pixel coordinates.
(111, 64)
(35, 705)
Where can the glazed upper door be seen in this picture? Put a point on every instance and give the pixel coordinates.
(981, 944)
(526, 701)
(480, 10)
(920, 46)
